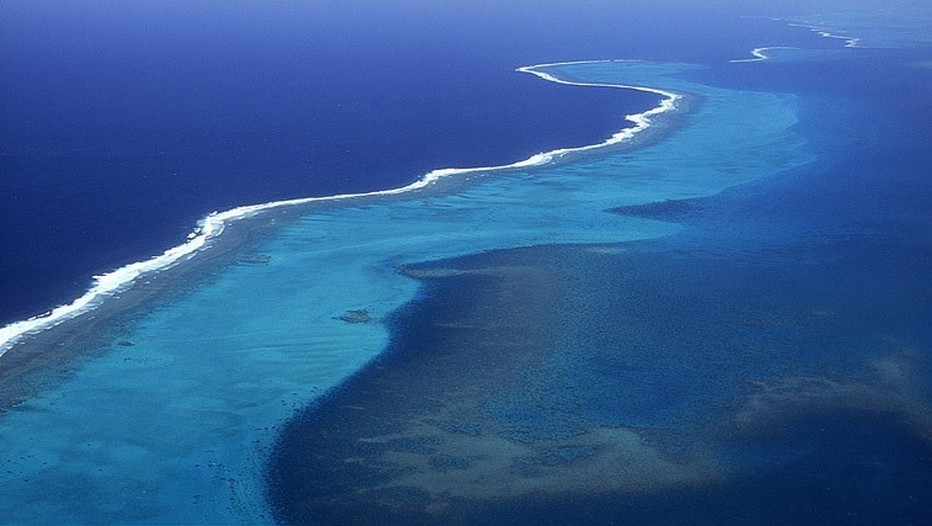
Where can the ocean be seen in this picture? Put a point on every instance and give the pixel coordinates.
(115, 108)
(720, 317)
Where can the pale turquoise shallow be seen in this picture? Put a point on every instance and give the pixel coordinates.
(176, 428)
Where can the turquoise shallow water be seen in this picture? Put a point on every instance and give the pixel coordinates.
(177, 426)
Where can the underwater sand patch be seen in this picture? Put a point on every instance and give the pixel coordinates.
(892, 390)
(488, 466)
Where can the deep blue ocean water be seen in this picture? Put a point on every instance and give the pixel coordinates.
(126, 123)
(727, 324)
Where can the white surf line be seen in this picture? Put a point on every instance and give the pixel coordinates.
(121, 279)
(759, 54)
(641, 121)
(850, 42)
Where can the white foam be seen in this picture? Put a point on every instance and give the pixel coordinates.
(641, 121)
(850, 42)
(106, 285)
(759, 54)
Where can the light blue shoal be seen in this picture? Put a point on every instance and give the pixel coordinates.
(176, 428)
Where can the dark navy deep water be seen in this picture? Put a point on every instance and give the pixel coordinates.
(124, 123)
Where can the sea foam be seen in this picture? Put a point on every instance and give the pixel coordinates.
(850, 42)
(212, 226)
(759, 54)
